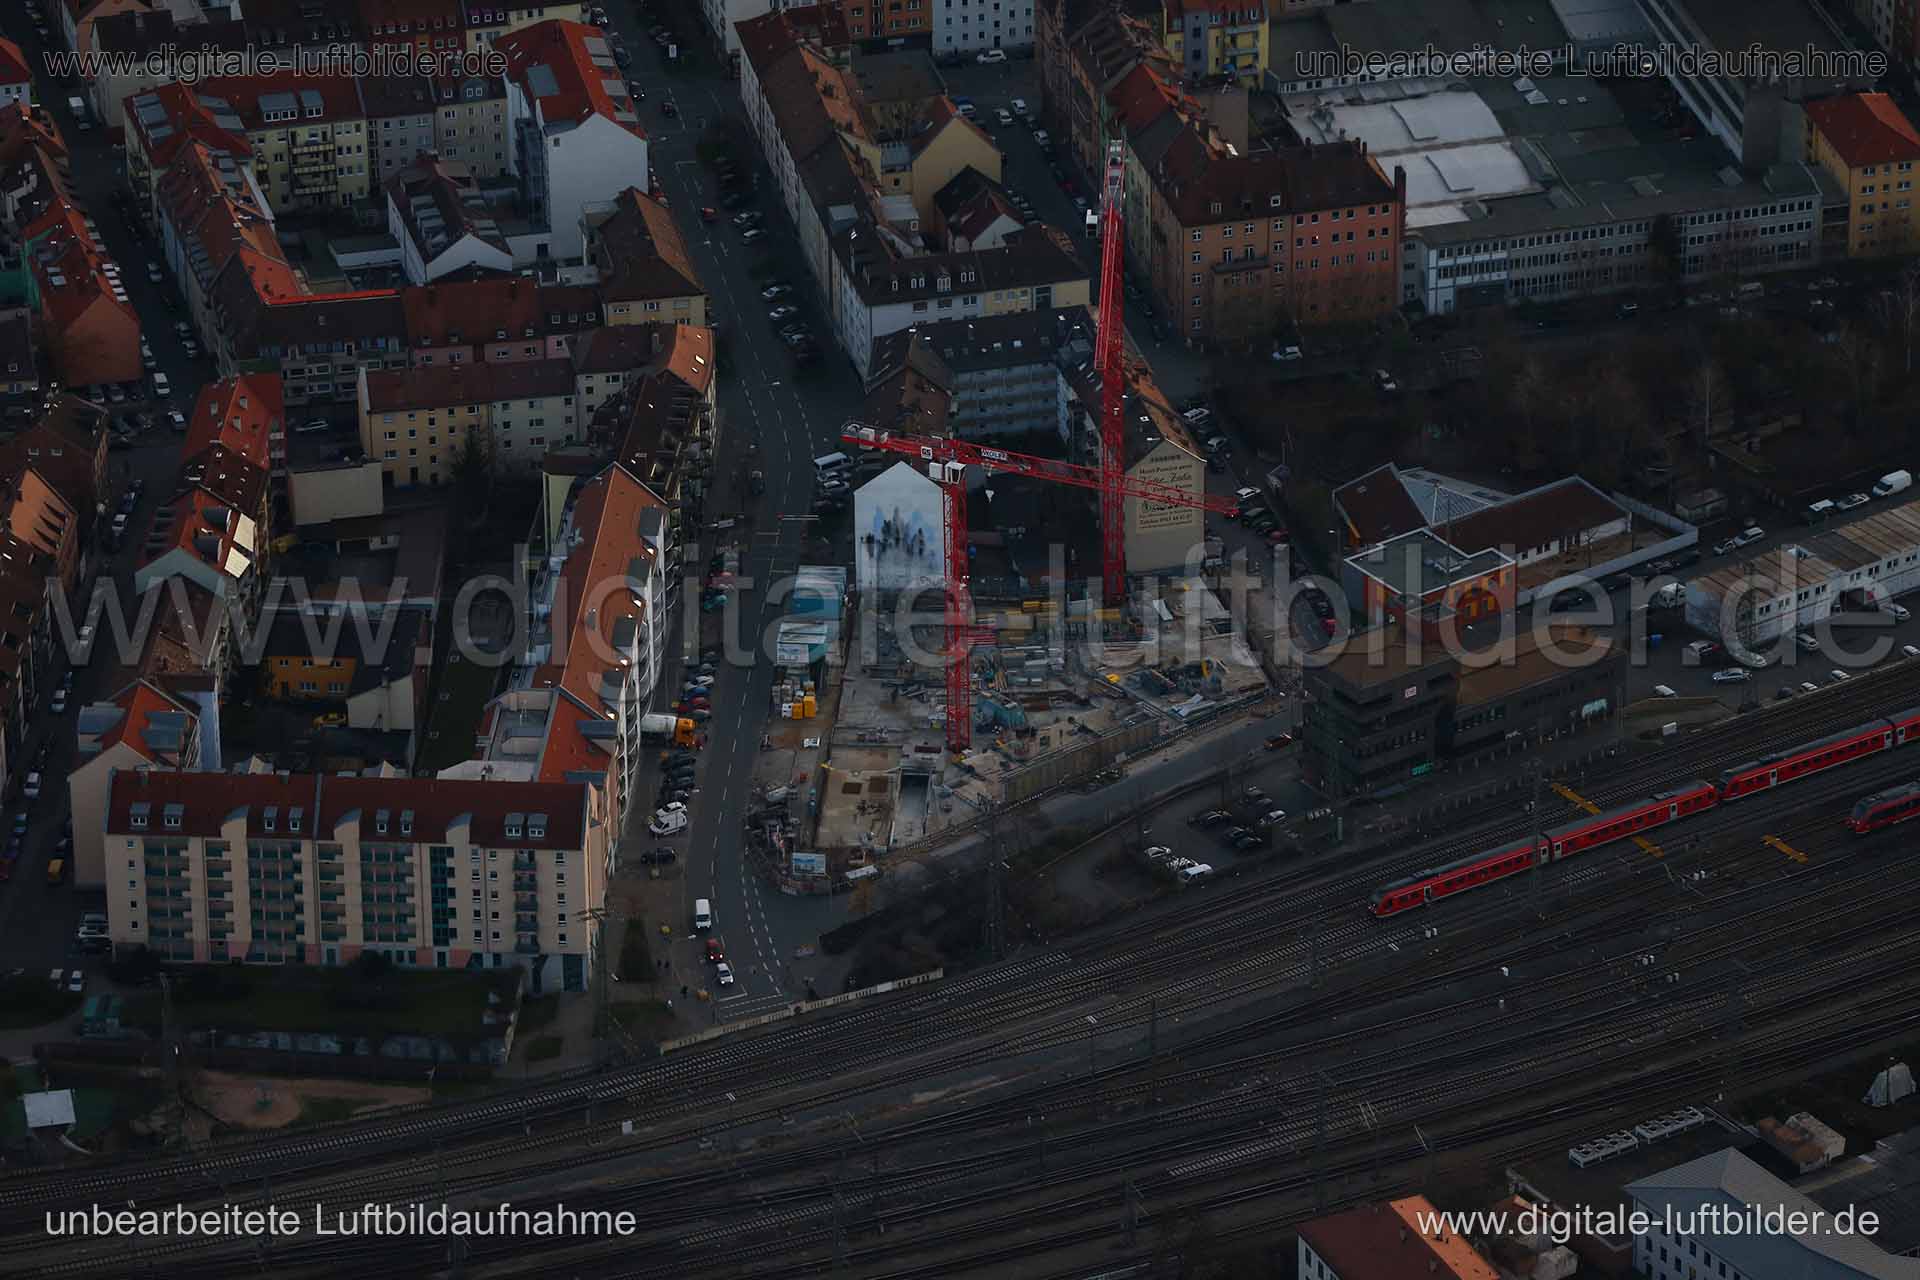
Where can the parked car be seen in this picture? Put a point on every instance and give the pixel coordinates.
(1211, 818)
(782, 312)
(1732, 675)
(1851, 501)
(658, 858)
(991, 57)
(752, 235)
(722, 974)
(1279, 740)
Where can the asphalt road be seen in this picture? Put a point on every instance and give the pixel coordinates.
(37, 920)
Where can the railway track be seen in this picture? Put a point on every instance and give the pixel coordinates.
(1029, 988)
(409, 1184)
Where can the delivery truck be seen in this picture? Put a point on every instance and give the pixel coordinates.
(662, 728)
(1893, 482)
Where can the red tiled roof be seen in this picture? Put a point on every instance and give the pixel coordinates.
(608, 511)
(580, 85)
(454, 313)
(185, 120)
(1385, 1242)
(1865, 128)
(438, 386)
(339, 99)
(95, 337)
(13, 64)
(243, 414)
(437, 804)
(1377, 507)
(206, 800)
(139, 701)
(36, 514)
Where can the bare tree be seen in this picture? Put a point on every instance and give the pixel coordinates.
(1898, 308)
(1708, 396)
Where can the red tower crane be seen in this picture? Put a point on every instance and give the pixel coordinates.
(1111, 337)
(946, 461)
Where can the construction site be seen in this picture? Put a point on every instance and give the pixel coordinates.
(897, 724)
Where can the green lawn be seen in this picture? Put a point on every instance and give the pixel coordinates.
(291, 998)
(460, 694)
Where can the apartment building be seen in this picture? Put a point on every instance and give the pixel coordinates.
(417, 422)
(965, 27)
(1748, 112)
(308, 133)
(995, 377)
(213, 531)
(432, 873)
(1869, 147)
(533, 411)
(426, 29)
(162, 121)
(470, 121)
(16, 77)
(573, 132)
(1240, 242)
(1217, 38)
(573, 706)
(877, 291)
(886, 24)
(1156, 448)
(90, 328)
(245, 414)
(146, 48)
(208, 209)
(442, 223)
(402, 121)
(142, 726)
(485, 21)
(646, 274)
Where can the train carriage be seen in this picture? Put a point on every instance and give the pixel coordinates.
(1811, 757)
(1629, 819)
(1906, 726)
(1884, 808)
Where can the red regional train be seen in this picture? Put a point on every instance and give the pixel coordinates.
(1658, 810)
(1885, 808)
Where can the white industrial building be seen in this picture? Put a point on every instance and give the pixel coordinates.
(1724, 1215)
(1797, 584)
(897, 522)
(576, 136)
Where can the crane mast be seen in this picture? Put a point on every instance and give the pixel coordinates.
(1113, 392)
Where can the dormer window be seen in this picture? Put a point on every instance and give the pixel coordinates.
(515, 821)
(271, 818)
(293, 820)
(174, 815)
(537, 827)
(406, 822)
(380, 822)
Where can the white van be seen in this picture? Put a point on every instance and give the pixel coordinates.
(1197, 871)
(702, 914)
(828, 464)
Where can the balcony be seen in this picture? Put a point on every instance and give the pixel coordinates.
(523, 862)
(219, 866)
(526, 902)
(333, 935)
(526, 947)
(525, 923)
(526, 883)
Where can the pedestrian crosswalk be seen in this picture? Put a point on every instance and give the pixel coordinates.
(734, 1008)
